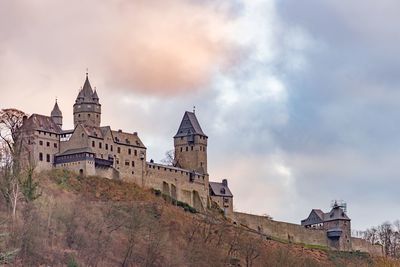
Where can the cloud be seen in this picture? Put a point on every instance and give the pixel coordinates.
(153, 47)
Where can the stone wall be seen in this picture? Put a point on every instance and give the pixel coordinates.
(178, 183)
(225, 203)
(298, 234)
(282, 230)
(44, 147)
(365, 246)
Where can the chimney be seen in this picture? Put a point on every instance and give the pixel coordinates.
(225, 182)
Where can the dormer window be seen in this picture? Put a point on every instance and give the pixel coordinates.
(222, 191)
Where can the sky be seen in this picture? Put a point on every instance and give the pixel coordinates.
(299, 98)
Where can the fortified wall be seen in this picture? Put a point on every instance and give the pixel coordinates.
(362, 245)
(295, 233)
(281, 230)
(180, 184)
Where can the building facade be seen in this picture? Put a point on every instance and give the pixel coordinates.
(92, 149)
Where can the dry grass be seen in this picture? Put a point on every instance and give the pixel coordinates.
(99, 222)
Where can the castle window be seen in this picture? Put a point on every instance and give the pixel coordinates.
(181, 149)
(41, 156)
(100, 145)
(111, 147)
(191, 148)
(47, 143)
(88, 115)
(119, 150)
(93, 143)
(41, 143)
(55, 145)
(79, 115)
(106, 146)
(126, 163)
(133, 164)
(48, 158)
(129, 151)
(135, 152)
(117, 161)
(187, 148)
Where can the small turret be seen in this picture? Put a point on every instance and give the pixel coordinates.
(56, 115)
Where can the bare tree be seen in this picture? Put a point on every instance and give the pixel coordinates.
(169, 158)
(11, 121)
(388, 235)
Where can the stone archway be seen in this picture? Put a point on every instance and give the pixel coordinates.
(173, 192)
(165, 189)
(197, 204)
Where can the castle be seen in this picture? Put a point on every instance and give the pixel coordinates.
(91, 149)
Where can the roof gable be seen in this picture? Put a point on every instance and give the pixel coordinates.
(189, 125)
(316, 216)
(219, 189)
(41, 123)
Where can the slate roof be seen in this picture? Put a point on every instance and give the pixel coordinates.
(94, 131)
(218, 189)
(336, 213)
(189, 125)
(41, 123)
(56, 112)
(124, 138)
(320, 213)
(86, 94)
(76, 151)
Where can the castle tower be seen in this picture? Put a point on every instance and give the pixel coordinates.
(191, 145)
(56, 115)
(87, 109)
(337, 225)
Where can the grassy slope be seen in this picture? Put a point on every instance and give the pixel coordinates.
(98, 222)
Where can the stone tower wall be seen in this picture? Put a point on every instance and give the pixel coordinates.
(344, 242)
(191, 155)
(87, 113)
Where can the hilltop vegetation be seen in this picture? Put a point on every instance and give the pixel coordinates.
(93, 221)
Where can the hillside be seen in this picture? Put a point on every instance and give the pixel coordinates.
(99, 222)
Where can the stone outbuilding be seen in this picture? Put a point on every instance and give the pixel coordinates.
(222, 195)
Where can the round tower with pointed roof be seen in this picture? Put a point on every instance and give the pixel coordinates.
(56, 115)
(87, 108)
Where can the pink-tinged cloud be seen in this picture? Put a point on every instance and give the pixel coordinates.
(153, 47)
